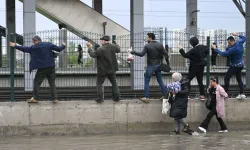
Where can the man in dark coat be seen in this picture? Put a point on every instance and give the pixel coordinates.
(179, 104)
(106, 66)
(197, 56)
(42, 59)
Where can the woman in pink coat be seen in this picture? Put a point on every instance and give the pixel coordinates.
(217, 106)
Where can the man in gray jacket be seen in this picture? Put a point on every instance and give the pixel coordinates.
(155, 52)
(106, 66)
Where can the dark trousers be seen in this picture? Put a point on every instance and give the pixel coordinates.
(79, 60)
(112, 79)
(197, 71)
(41, 74)
(213, 59)
(234, 71)
(210, 115)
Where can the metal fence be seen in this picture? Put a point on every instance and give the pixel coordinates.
(71, 73)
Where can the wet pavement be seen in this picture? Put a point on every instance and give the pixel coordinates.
(209, 141)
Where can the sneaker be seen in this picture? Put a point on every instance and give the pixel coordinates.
(117, 99)
(187, 129)
(144, 99)
(202, 129)
(32, 100)
(241, 96)
(223, 131)
(174, 132)
(99, 100)
(202, 98)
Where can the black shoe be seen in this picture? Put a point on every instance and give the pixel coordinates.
(117, 99)
(174, 132)
(99, 100)
(187, 129)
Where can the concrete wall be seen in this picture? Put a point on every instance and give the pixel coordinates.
(88, 117)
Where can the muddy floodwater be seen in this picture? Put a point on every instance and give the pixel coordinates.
(209, 141)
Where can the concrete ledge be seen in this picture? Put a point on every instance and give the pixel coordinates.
(88, 117)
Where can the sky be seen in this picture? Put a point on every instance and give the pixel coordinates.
(214, 14)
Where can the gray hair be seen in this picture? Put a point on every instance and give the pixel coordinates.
(176, 76)
(36, 38)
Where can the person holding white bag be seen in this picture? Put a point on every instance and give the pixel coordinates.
(178, 99)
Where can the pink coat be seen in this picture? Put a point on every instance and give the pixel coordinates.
(220, 101)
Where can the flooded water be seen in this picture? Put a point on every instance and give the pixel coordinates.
(209, 141)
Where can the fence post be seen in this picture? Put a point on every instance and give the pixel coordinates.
(208, 62)
(113, 38)
(12, 49)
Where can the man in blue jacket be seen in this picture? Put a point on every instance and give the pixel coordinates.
(42, 59)
(235, 51)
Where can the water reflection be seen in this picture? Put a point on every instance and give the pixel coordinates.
(211, 141)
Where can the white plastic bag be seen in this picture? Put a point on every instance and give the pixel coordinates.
(165, 107)
(130, 57)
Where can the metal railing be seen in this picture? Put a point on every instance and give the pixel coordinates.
(71, 73)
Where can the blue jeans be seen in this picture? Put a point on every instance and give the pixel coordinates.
(149, 72)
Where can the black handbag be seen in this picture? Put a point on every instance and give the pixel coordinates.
(208, 104)
(165, 67)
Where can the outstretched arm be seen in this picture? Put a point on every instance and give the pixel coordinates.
(142, 53)
(58, 48)
(227, 53)
(184, 54)
(24, 49)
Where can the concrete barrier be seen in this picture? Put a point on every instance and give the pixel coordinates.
(88, 117)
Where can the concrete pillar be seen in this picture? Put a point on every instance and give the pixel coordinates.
(29, 29)
(63, 59)
(248, 43)
(191, 17)
(137, 42)
(10, 24)
(97, 5)
(191, 23)
(1, 50)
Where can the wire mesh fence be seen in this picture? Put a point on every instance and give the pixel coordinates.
(75, 68)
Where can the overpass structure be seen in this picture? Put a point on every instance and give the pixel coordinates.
(75, 16)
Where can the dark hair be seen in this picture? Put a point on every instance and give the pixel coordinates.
(214, 43)
(230, 38)
(151, 35)
(214, 79)
(36, 38)
(194, 41)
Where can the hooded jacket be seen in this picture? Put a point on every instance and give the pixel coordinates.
(197, 55)
(179, 102)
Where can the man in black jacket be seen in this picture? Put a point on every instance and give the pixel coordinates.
(197, 56)
(155, 52)
(106, 66)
